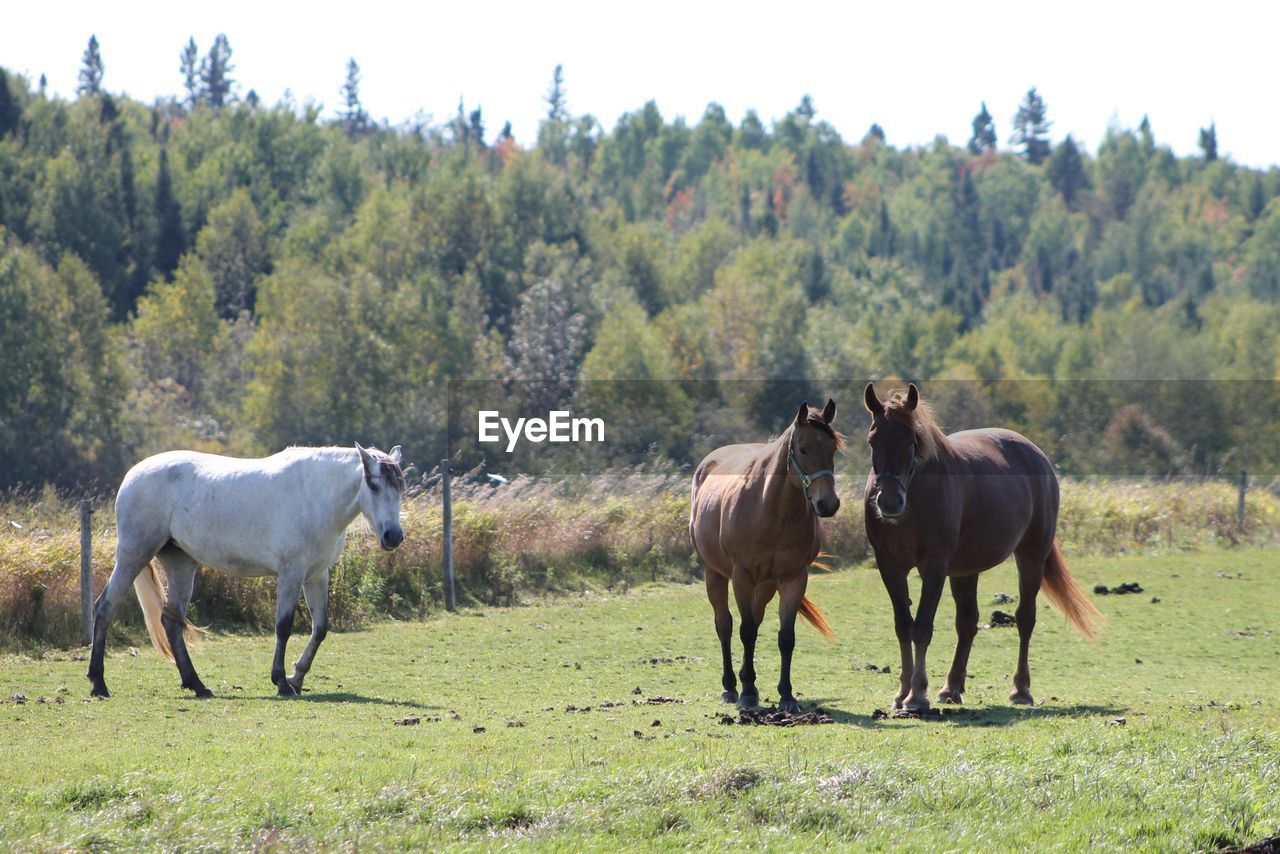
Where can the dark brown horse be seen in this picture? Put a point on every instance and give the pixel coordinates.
(753, 520)
(955, 506)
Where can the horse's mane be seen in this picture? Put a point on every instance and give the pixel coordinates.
(930, 440)
(389, 469)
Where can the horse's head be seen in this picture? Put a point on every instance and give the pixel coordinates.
(812, 454)
(380, 494)
(895, 448)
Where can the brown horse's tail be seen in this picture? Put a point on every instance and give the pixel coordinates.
(816, 618)
(152, 598)
(1067, 596)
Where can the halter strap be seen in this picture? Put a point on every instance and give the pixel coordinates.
(911, 472)
(806, 479)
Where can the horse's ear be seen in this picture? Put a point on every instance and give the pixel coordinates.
(829, 411)
(802, 414)
(365, 459)
(395, 455)
(913, 397)
(872, 402)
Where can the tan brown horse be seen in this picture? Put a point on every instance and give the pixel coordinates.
(754, 521)
(955, 506)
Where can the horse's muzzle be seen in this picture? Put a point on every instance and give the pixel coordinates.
(826, 508)
(891, 506)
(392, 538)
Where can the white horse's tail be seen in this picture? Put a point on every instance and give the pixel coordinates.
(152, 597)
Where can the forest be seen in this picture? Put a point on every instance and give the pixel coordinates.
(213, 272)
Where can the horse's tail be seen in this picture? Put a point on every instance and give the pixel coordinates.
(1067, 596)
(153, 599)
(816, 618)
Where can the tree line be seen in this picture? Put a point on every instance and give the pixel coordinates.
(210, 271)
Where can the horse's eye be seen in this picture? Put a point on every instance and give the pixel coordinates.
(803, 451)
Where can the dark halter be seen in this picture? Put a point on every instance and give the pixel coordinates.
(911, 472)
(806, 479)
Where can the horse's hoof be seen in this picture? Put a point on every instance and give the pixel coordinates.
(1021, 698)
(729, 697)
(99, 691)
(749, 701)
(914, 704)
(951, 696)
(789, 707)
(203, 693)
(284, 689)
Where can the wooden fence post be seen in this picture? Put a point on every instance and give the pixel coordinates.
(1244, 487)
(450, 591)
(86, 573)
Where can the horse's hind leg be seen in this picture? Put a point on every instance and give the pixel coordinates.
(180, 580)
(1031, 560)
(316, 592)
(743, 594)
(964, 589)
(288, 586)
(130, 560)
(718, 595)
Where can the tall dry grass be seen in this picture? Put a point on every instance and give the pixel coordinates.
(537, 537)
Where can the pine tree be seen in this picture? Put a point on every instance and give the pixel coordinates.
(190, 66)
(1257, 197)
(169, 222)
(1031, 128)
(1209, 143)
(215, 73)
(353, 116)
(806, 108)
(557, 107)
(984, 132)
(475, 125)
(10, 109)
(1066, 170)
(90, 70)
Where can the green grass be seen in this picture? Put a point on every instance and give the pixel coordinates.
(1196, 765)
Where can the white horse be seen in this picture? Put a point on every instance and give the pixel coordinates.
(285, 515)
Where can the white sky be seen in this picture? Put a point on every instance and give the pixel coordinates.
(918, 69)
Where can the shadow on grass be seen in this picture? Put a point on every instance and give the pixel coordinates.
(332, 697)
(975, 716)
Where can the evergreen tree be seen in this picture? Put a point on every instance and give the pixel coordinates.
(353, 116)
(806, 109)
(984, 132)
(169, 238)
(1031, 128)
(1066, 170)
(215, 74)
(874, 132)
(90, 70)
(557, 107)
(1147, 137)
(475, 125)
(190, 66)
(1257, 197)
(1209, 143)
(10, 109)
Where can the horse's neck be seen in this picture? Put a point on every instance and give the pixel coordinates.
(779, 491)
(345, 480)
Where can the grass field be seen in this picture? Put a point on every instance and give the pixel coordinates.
(1166, 735)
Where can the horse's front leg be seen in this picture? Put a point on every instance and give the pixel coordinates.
(288, 586)
(932, 576)
(743, 594)
(316, 592)
(791, 594)
(964, 589)
(895, 583)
